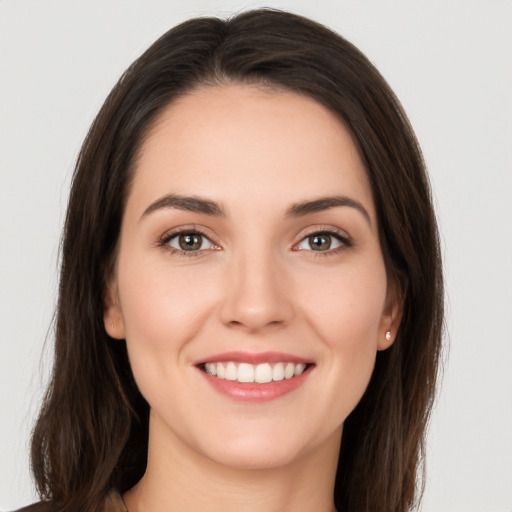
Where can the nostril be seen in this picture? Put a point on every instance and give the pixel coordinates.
(236, 323)
(256, 325)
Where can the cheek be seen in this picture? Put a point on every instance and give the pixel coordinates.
(155, 294)
(345, 313)
(346, 307)
(163, 308)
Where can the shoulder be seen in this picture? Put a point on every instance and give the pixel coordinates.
(42, 506)
(112, 503)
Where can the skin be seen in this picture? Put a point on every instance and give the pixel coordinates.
(257, 287)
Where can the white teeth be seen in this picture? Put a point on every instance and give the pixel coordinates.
(245, 372)
(231, 371)
(211, 368)
(299, 369)
(278, 372)
(289, 371)
(261, 373)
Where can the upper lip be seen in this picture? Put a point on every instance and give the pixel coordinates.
(253, 358)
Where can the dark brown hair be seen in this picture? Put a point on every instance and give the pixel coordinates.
(92, 431)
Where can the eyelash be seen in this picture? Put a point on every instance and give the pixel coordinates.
(164, 241)
(346, 242)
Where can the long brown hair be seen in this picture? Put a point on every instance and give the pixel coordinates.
(91, 435)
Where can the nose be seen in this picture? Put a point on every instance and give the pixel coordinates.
(257, 294)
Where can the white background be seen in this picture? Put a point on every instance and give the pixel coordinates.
(450, 62)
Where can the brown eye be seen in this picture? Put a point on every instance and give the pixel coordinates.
(322, 242)
(190, 242)
(319, 242)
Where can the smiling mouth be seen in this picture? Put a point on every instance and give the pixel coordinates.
(262, 373)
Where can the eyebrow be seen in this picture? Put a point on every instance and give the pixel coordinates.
(187, 203)
(209, 207)
(324, 203)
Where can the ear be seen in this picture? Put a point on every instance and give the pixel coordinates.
(391, 317)
(112, 315)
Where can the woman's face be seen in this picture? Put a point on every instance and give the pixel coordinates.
(249, 249)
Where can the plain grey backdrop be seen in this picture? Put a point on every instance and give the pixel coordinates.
(450, 63)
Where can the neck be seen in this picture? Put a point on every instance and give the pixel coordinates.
(178, 478)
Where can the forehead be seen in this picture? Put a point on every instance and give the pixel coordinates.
(239, 142)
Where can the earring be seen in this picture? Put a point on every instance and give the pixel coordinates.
(388, 335)
(112, 325)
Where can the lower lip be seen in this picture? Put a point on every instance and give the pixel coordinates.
(251, 392)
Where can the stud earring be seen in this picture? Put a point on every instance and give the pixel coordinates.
(112, 325)
(388, 335)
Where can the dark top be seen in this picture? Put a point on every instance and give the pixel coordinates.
(112, 503)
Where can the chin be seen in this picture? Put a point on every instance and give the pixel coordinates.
(268, 448)
(252, 456)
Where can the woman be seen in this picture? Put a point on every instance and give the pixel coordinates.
(250, 303)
